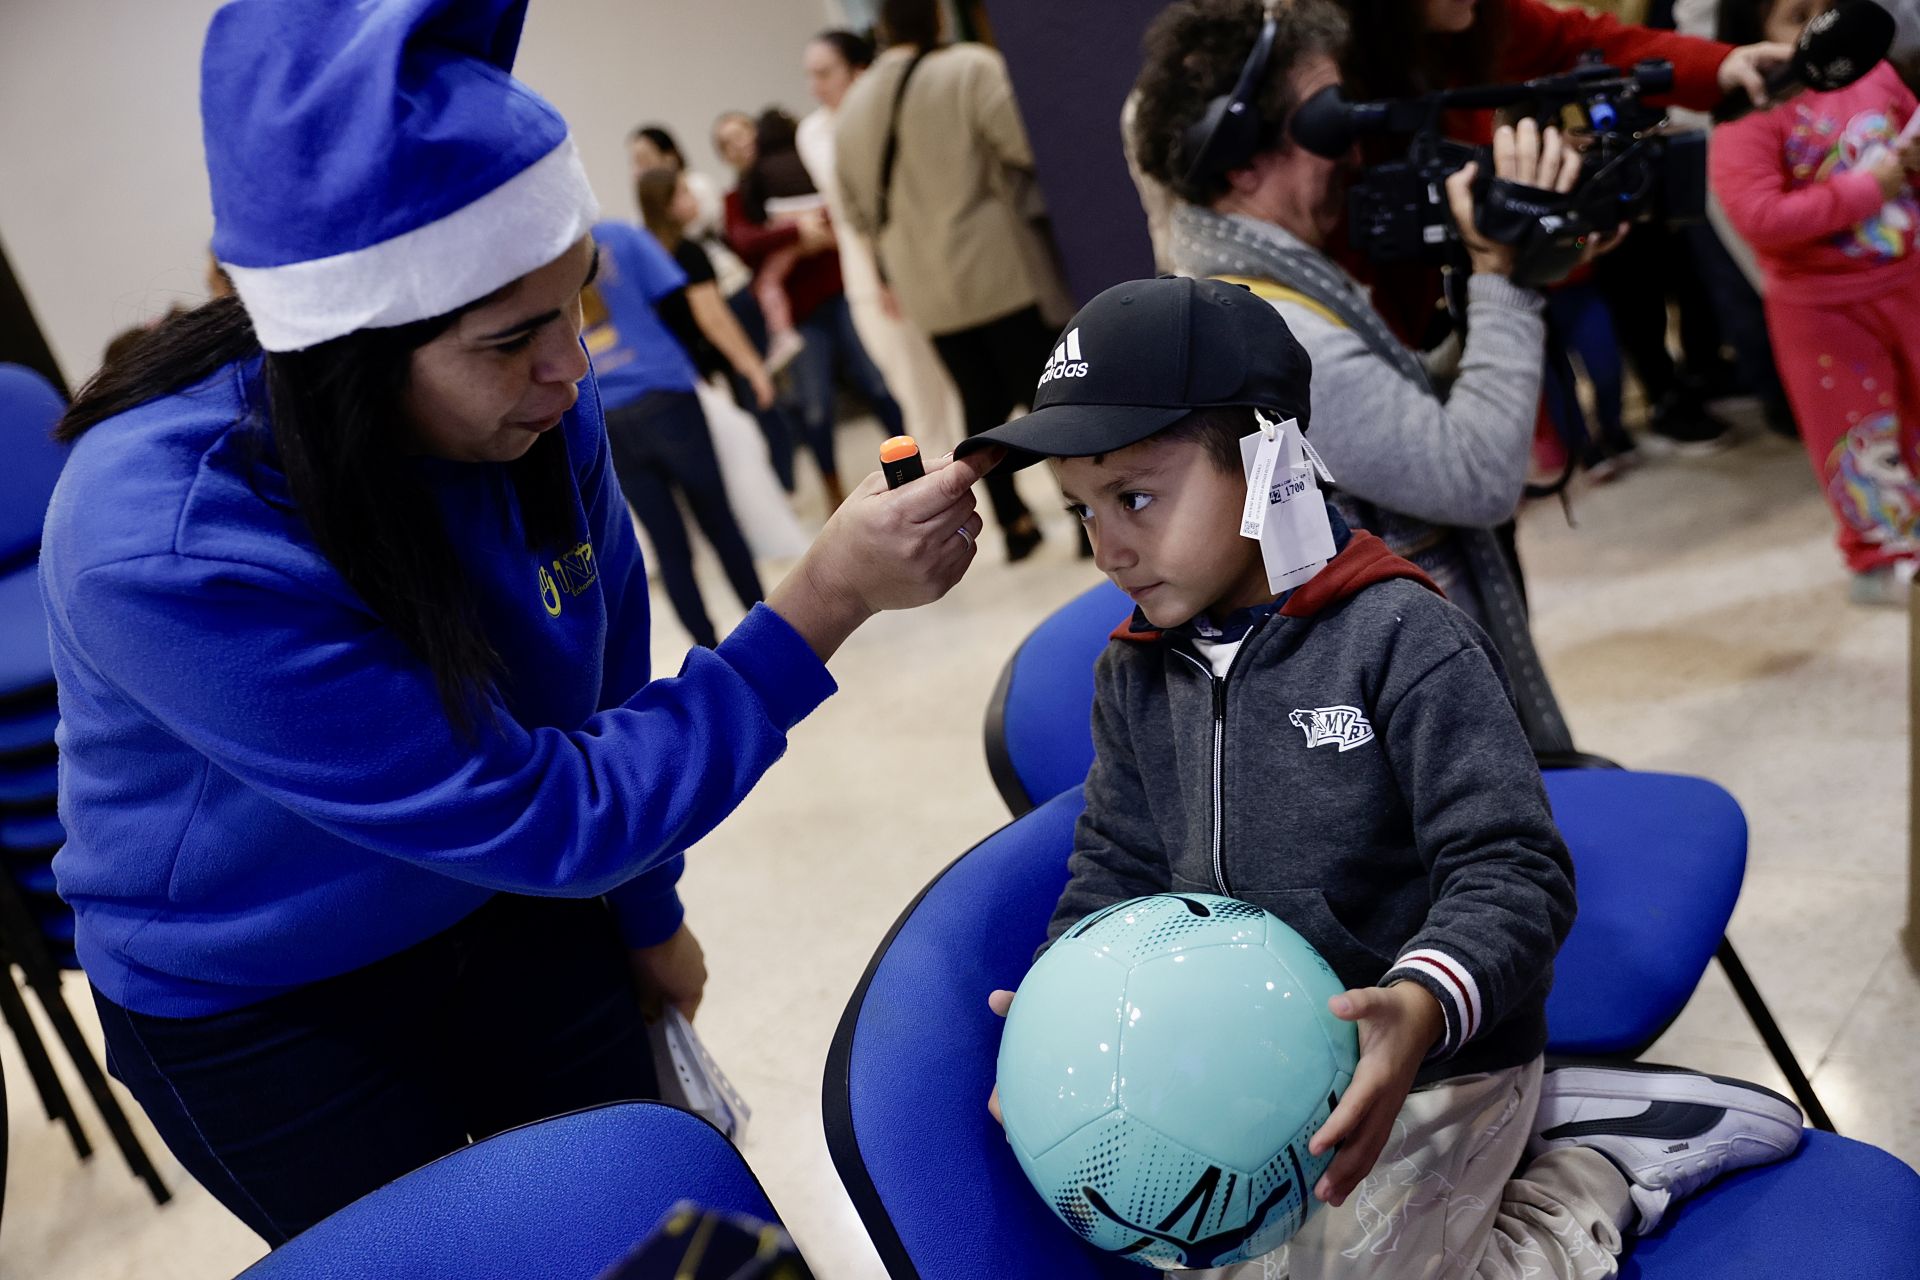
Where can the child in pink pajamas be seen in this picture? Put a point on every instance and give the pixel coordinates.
(1822, 189)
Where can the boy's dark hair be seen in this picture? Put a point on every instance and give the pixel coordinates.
(1194, 52)
(854, 49)
(914, 22)
(1218, 430)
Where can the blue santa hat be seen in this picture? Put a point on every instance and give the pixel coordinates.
(375, 163)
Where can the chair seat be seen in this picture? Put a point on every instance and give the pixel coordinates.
(30, 832)
(1658, 859)
(26, 663)
(29, 785)
(563, 1199)
(1838, 1210)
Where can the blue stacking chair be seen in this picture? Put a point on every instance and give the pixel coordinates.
(36, 927)
(1659, 857)
(562, 1199)
(29, 407)
(933, 1179)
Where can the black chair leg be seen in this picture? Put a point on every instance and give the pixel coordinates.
(96, 1081)
(53, 1095)
(1770, 1033)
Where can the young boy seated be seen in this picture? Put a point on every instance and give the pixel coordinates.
(1346, 755)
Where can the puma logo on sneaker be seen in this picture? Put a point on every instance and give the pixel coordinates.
(1669, 1131)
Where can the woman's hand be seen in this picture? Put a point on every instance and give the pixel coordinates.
(885, 549)
(761, 385)
(1746, 68)
(1398, 1025)
(673, 972)
(1525, 155)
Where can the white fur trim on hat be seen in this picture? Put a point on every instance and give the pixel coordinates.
(522, 224)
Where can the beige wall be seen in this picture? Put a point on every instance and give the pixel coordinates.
(103, 194)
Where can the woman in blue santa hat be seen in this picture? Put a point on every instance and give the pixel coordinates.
(374, 808)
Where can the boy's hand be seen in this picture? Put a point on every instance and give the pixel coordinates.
(1398, 1025)
(1000, 1001)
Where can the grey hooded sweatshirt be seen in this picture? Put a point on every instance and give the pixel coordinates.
(1360, 773)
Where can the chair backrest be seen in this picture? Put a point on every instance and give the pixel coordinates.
(912, 1063)
(1658, 859)
(1040, 719)
(29, 407)
(563, 1199)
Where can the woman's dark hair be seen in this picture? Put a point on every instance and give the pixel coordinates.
(775, 130)
(1742, 21)
(777, 169)
(654, 190)
(914, 22)
(854, 49)
(1194, 52)
(662, 142)
(1400, 58)
(333, 420)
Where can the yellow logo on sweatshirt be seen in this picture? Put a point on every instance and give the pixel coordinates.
(571, 574)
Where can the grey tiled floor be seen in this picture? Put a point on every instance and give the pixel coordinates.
(1696, 621)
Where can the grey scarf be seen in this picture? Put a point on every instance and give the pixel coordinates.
(1206, 243)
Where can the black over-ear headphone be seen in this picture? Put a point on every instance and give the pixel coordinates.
(1227, 134)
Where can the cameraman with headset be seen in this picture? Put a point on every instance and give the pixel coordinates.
(1429, 465)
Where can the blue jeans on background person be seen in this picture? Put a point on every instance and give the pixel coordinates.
(832, 345)
(1580, 325)
(292, 1108)
(774, 424)
(661, 446)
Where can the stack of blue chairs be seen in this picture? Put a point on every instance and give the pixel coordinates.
(30, 830)
(36, 927)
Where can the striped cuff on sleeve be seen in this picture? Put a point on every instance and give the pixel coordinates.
(1452, 985)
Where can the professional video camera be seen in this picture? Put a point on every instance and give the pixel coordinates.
(1633, 169)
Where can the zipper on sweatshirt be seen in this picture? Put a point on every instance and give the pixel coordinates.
(1218, 687)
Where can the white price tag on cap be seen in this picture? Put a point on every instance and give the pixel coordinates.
(1285, 512)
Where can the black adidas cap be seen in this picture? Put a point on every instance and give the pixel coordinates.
(1145, 354)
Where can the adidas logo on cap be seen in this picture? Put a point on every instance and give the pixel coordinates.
(1065, 362)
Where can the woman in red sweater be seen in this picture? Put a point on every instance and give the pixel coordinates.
(1822, 187)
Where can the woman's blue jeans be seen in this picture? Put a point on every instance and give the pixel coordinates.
(292, 1108)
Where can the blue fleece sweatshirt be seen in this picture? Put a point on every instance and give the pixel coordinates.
(259, 785)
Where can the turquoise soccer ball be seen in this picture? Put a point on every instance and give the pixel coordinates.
(1161, 1071)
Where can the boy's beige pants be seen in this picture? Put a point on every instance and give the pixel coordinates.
(1443, 1200)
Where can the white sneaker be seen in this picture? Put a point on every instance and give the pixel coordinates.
(1669, 1131)
(1890, 584)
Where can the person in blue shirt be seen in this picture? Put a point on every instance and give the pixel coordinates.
(374, 807)
(661, 445)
